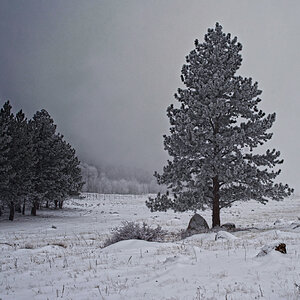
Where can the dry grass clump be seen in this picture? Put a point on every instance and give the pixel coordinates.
(135, 231)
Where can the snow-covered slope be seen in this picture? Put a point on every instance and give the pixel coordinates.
(41, 262)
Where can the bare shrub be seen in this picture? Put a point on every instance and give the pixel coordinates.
(131, 230)
(28, 246)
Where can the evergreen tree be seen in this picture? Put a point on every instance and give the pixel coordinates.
(67, 177)
(35, 162)
(6, 169)
(25, 159)
(72, 169)
(22, 159)
(213, 134)
(43, 131)
(57, 172)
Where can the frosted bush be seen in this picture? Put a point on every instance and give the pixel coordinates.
(131, 230)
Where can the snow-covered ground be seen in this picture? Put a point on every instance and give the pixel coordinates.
(59, 254)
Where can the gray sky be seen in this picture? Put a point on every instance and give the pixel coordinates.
(107, 70)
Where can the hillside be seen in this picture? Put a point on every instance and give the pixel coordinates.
(58, 254)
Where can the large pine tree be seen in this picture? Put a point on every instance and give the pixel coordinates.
(43, 130)
(213, 134)
(22, 159)
(7, 172)
(57, 173)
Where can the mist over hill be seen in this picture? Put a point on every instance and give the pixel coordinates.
(108, 179)
(118, 172)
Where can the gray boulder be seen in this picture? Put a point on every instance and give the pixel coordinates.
(228, 226)
(197, 224)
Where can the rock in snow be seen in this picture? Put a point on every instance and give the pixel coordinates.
(281, 247)
(228, 226)
(225, 235)
(278, 222)
(197, 223)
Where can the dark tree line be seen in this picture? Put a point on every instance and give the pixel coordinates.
(37, 166)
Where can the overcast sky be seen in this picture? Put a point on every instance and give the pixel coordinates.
(107, 70)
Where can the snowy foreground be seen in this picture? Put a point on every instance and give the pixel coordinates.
(39, 261)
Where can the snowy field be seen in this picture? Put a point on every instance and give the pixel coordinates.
(59, 254)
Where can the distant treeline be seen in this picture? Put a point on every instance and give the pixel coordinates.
(37, 166)
(118, 180)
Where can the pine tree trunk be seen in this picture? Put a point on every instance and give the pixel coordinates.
(23, 208)
(216, 203)
(60, 204)
(33, 209)
(47, 204)
(11, 211)
(55, 203)
(18, 208)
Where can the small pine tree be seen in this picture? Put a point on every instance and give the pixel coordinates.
(68, 174)
(73, 171)
(213, 134)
